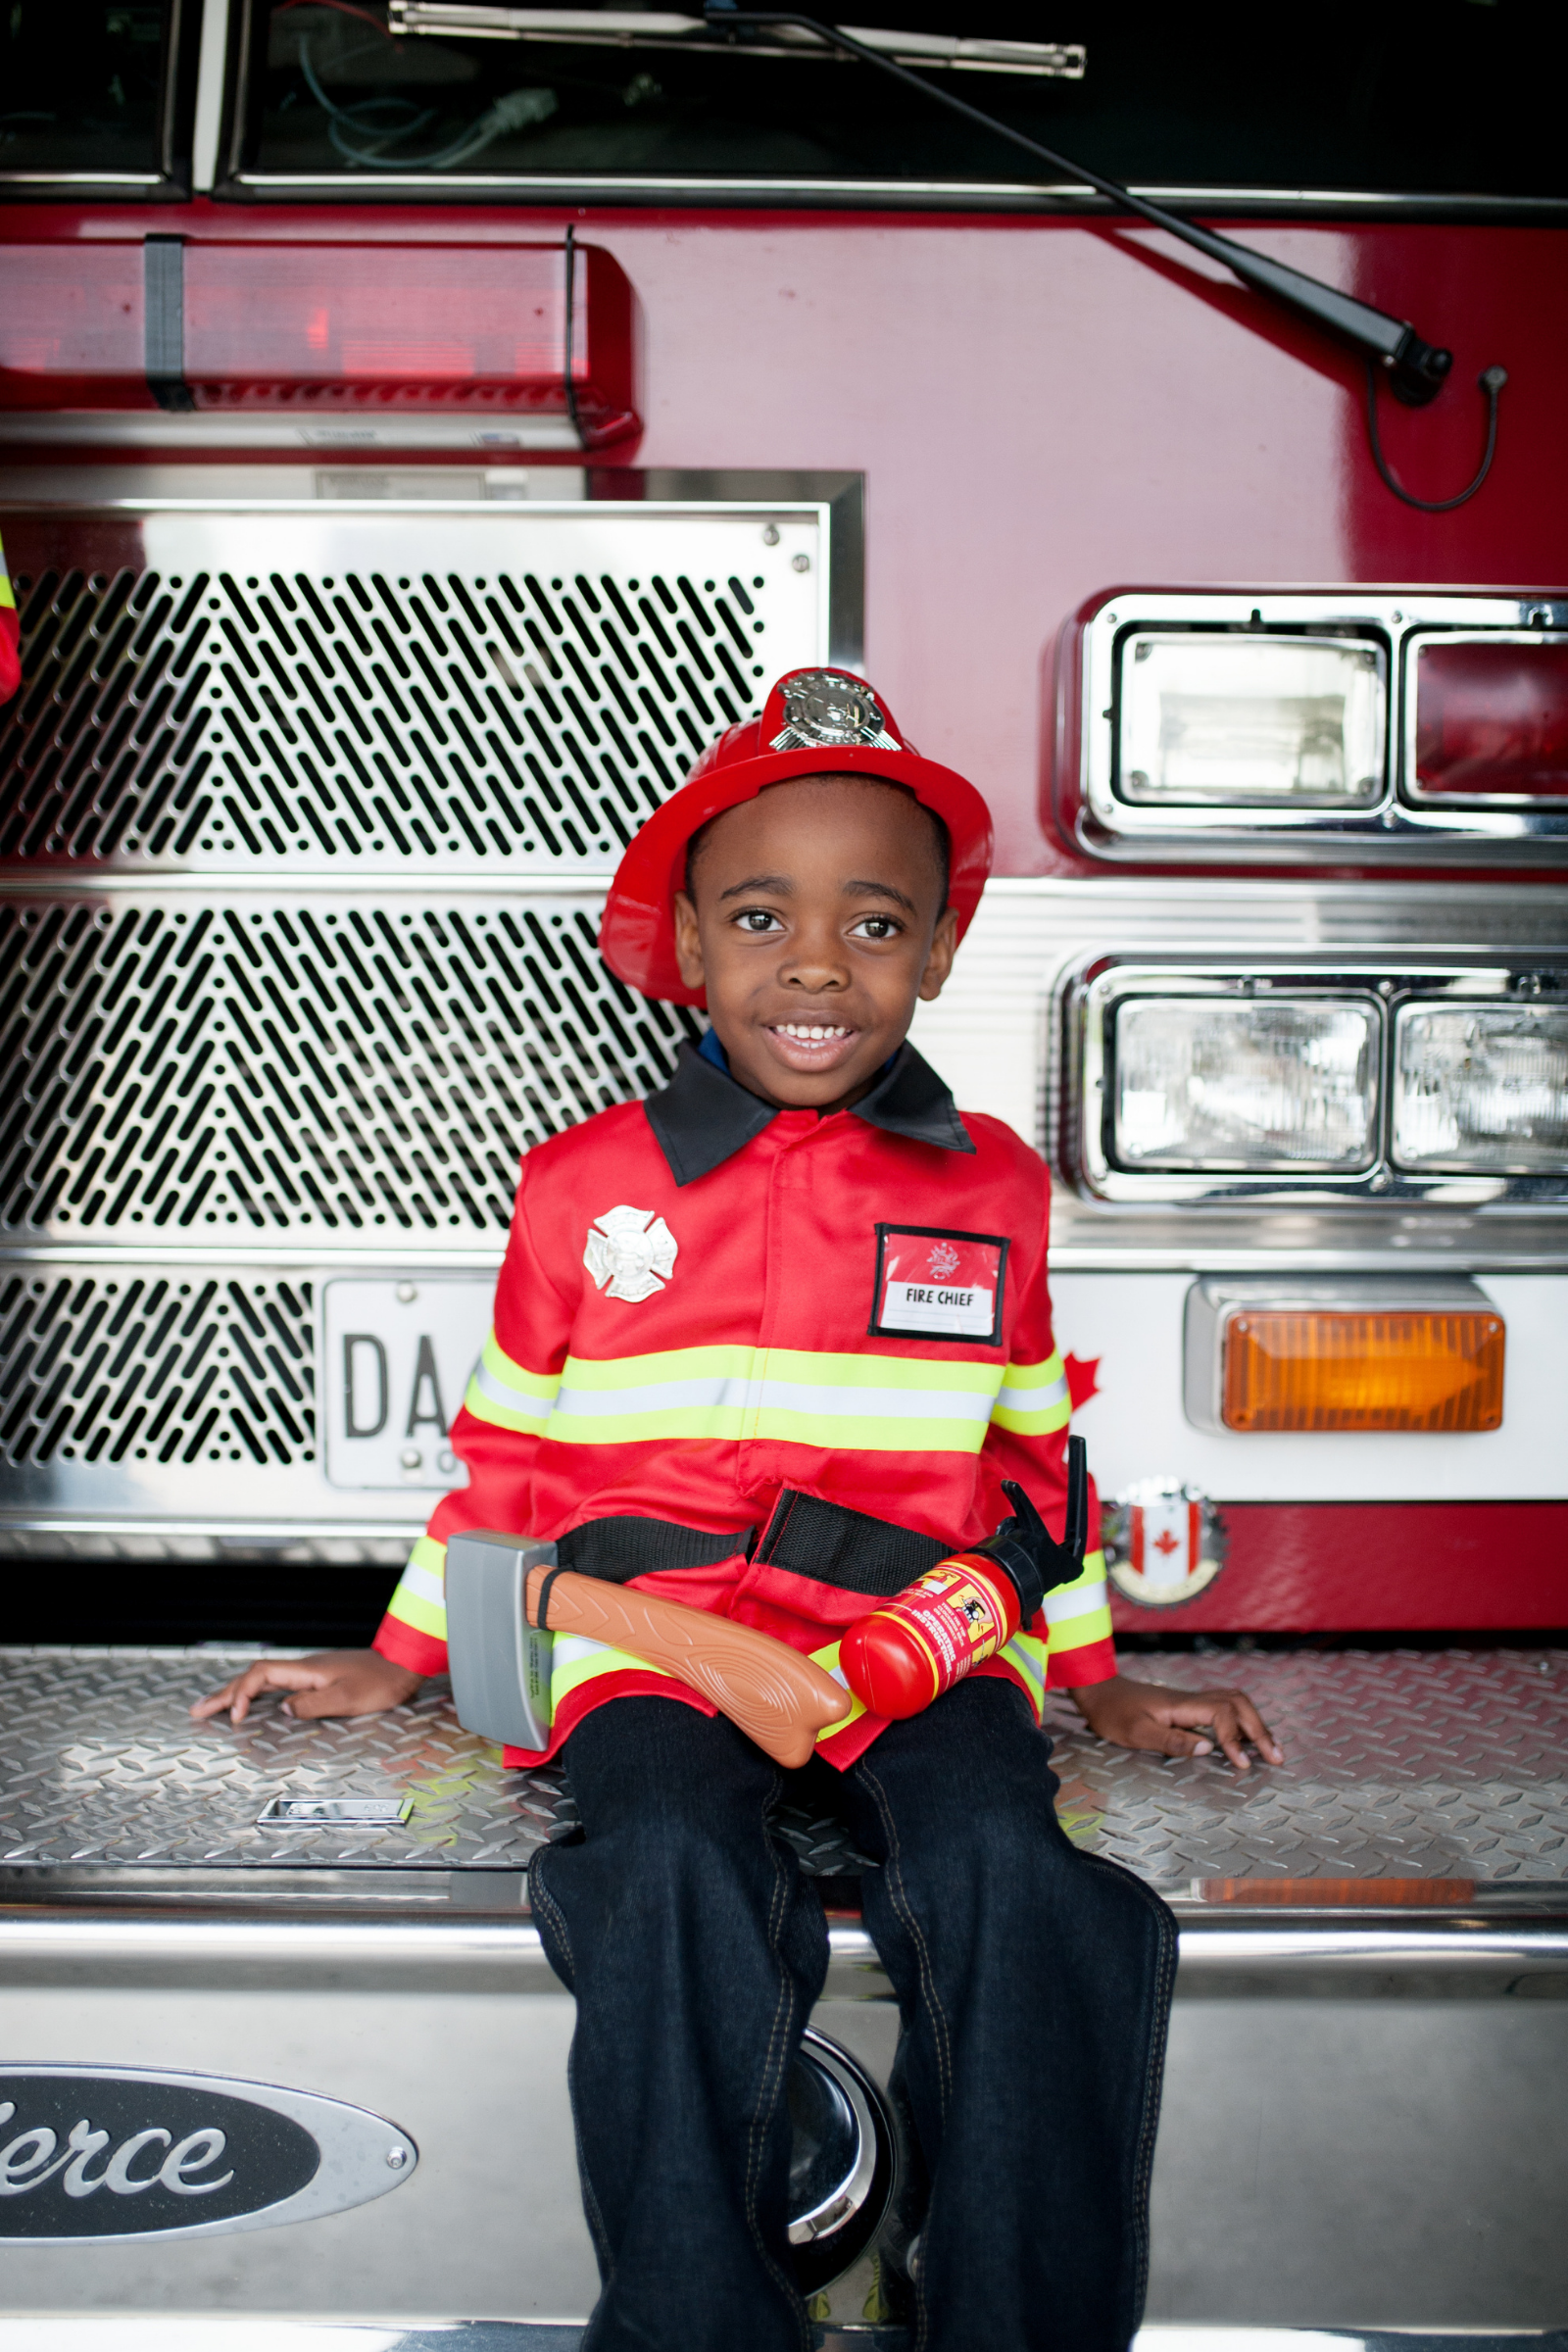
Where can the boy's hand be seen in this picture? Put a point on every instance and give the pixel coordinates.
(335, 1681)
(1150, 1715)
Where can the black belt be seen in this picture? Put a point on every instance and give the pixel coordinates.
(805, 1536)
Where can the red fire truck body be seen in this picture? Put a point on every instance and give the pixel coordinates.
(393, 510)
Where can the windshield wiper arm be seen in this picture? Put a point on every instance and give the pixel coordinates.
(650, 29)
(1415, 370)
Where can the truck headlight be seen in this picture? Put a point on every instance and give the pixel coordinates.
(1250, 722)
(1481, 1086)
(1253, 1086)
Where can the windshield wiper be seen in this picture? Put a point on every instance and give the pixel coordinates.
(1416, 371)
(628, 28)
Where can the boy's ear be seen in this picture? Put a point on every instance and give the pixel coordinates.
(688, 943)
(939, 962)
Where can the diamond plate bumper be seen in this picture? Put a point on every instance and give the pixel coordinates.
(1442, 1769)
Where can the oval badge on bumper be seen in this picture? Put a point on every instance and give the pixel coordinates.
(91, 2154)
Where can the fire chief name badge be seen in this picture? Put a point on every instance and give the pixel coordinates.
(932, 1283)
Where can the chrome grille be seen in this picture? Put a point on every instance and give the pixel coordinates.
(427, 689)
(306, 813)
(352, 1067)
(154, 1369)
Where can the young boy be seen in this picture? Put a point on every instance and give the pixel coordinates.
(769, 1343)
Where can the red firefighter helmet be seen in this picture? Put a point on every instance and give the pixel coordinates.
(815, 723)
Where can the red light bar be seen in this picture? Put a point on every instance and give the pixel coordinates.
(337, 327)
(1492, 719)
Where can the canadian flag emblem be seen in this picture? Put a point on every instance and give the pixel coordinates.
(1165, 1542)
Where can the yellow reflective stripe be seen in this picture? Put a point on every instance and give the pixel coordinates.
(828, 1659)
(575, 1660)
(872, 1404)
(421, 1597)
(1082, 1633)
(507, 1396)
(1026, 1653)
(6, 597)
(584, 1374)
(1093, 1622)
(1034, 1398)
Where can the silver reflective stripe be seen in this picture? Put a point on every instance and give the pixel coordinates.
(778, 1395)
(426, 1583)
(1078, 1600)
(572, 1650)
(1034, 1400)
(514, 1400)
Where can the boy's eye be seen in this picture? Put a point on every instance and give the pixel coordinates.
(758, 920)
(877, 926)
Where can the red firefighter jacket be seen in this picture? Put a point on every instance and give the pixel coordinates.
(707, 1305)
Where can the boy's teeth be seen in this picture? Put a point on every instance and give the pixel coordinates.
(813, 1035)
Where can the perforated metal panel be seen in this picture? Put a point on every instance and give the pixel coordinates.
(350, 1068)
(402, 745)
(149, 1368)
(418, 688)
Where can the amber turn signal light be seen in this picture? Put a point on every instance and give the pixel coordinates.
(1289, 1368)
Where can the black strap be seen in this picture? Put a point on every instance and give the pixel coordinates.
(848, 1548)
(542, 1616)
(618, 1550)
(824, 1540)
(162, 262)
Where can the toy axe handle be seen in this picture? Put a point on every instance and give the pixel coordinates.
(774, 1695)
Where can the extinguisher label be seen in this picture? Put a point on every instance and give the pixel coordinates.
(933, 1284)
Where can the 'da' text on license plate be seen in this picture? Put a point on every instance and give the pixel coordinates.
(396, 1357)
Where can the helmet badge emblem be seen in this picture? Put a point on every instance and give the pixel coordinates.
(827, 708)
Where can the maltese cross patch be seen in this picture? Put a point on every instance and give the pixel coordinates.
(631, 1252)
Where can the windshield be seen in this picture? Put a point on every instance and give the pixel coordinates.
(1432, 97)
(82, 89)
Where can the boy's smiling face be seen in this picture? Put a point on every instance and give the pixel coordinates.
(813, 918)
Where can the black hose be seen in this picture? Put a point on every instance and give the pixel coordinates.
(1491, 381)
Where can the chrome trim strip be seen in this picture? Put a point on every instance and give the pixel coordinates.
(80, 180)
(51, 1935)
(327, 435)
(562, 187)
(211, 74)
(1461, 1943)
(272, 1534)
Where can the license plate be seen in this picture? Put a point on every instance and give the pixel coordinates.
(396, 1358)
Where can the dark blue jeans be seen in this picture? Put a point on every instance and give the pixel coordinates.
(1033, 1983)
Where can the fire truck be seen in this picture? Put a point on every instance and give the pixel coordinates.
(423, 426)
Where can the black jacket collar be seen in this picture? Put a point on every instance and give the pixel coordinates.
(705, 1116)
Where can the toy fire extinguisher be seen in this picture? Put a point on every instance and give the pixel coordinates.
(968, 1606)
